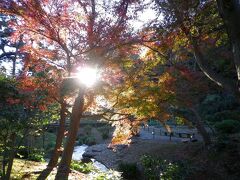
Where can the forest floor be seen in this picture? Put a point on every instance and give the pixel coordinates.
(206, 163)
(29, 170)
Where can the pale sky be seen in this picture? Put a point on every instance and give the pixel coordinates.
(143, 18)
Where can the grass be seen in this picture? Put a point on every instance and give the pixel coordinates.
(24, 169)
(82, 167)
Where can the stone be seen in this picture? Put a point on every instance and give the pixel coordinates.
(88, 155)
(185, 140)
(96, 150)
(86, 160)
(120, 147)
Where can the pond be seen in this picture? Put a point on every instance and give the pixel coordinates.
(77, 155)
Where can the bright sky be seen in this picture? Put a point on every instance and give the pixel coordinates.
(143, 19)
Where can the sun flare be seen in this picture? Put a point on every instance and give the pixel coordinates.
(88, 76)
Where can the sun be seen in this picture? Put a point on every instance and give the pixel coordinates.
(88, 76)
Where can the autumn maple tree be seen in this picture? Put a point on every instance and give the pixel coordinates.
(56, 40)
(199, 30)
(24, 106)
(68, 35)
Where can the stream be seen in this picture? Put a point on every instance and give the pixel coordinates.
(77, 155)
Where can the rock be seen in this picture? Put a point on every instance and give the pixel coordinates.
(86, 160)
(120, 147)
(185, 140)
(96, 150)
(134, 140)
(88, 155)
(194, 140)
(118, 160)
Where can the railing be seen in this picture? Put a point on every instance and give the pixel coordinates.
(175, 133)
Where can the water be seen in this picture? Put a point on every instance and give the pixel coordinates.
(78, 152)
(77, 155)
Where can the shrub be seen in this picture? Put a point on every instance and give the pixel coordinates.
(91, 140)
(49, 142)
(104, 130)
(228, 126)
(88, 140)
(88, 129)
(109, 175)
(82, 167)
(32, 154)
(105, 135)
(37, 156)
(23, 152)
(129, 170)
(156, 168)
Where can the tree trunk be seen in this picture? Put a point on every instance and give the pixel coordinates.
(200, 127)
(206, 69)
(167, 127)
(226, 84)
(11, 157)
(56, 153)
(14, 66)
(194, 117)
(77, 110)
(4, 157)
(230, 13)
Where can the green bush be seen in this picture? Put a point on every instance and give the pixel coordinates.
(88, 140)
(104, 130)
(109, 175)
(49, 143)
(23, 152)
(88, 129)
(156, 168)
(32, 154)
(37, 156)
(129, 170)
(105, 135)
(82, 167)
(228, 126)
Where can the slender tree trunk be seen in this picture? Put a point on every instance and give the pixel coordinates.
(43, 140)
(206, 69)
(56, 153)
(195, 118)
(14, 66)
(11, 157)
(226, 84)
(77, 110)
(4, 157)
(200, 127)
(167, 127)
(4, 165)
(230, 13)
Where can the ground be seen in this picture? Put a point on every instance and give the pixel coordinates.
(206, 163)
(145, 143)
(132, 153)
(29, 170)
